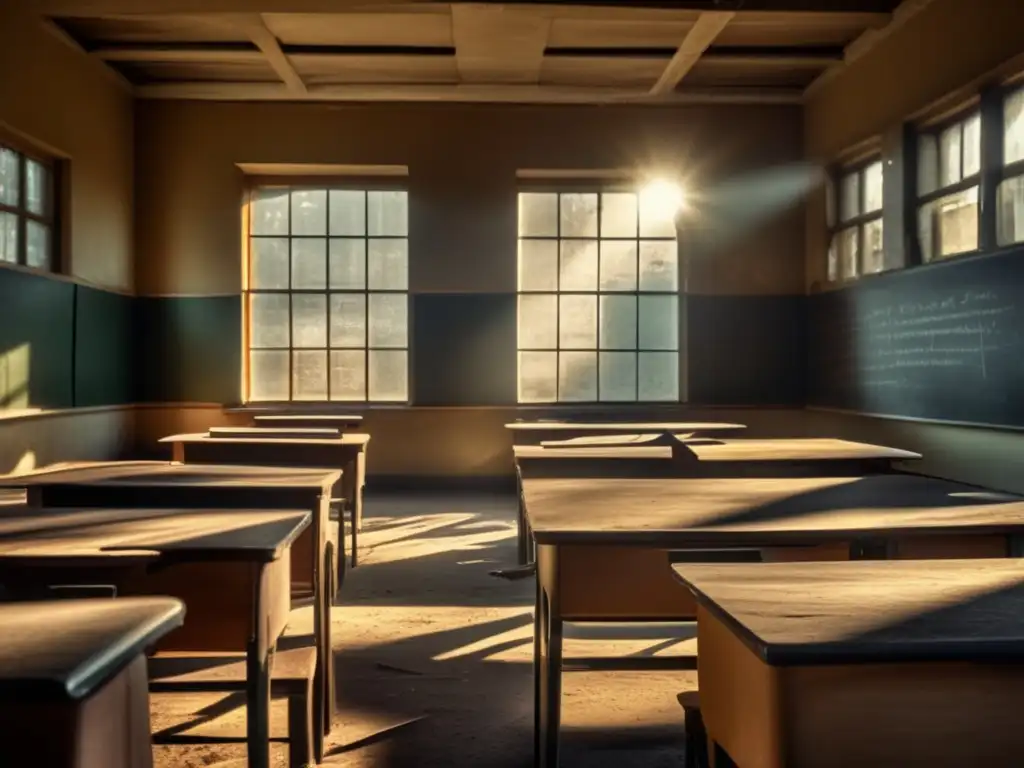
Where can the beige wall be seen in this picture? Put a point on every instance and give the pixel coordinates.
(462, 163)
(59, 98)
(84, 434)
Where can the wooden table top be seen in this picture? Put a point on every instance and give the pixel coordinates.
(66, 649)
(623, 427)
(319, 419)
(760, 511)
(47, 537)
(280, 432)
(710, 450)
(868, 611)
(157, 474)
(359, 439)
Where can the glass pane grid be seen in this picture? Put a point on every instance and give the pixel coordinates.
(26, 236)
(593, 361)
(336, 263)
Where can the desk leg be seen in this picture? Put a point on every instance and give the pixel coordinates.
(257, 680)
(547, 660)
(323, 681)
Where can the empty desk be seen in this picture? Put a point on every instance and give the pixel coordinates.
(533, 432)
(73, 691)
(844, 665)
(342, 421)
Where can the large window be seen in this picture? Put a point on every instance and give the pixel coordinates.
(855, 215)
(598, 298)
(26, 210)
(948, 173)
(1010, 210)
(328, 295)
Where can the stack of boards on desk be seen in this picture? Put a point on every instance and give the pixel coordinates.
(847, 611)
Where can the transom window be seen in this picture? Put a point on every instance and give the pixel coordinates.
(1010, 197)
(598, 298)
(948, 173)
(327, 294)
(856, 245)
(26, 210)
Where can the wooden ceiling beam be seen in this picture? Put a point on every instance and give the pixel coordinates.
(704, 31)
(170, 54)
(495, 44)
(531, 94)
(257, 30)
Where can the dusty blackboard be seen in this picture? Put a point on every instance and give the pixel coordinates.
(944, 342)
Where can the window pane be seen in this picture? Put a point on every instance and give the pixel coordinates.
(388, 263)
(833, 259)
(268, 262)
(36, 177)
(9, 237)
(578, 265)
(618, 265)
(347, 262)
(578, 215)
(577, 376)
(538, 214)
(37, 245)
(577, 322)
(617, 372)
(538, 321)
(849, 253)
(388, 213)
(656, 219)
(269, 312)
(268, 375)
(309, 263)
(659, 322)
(972, 145)
(309, 375)
(538, 265)
(269, 212)
(1013, 127)
(618, 214)
(309, 212)
(850, 201)
(949, 155)
(659, 268)
(926, 232)
(348, 374)
(309, 320)
(830, 203)
(952, 222)
(389, 375)
(1010, 211)
(927, 163)
(538, 377)
(389, 323)
(874, 255)
(348, 212)
(618, 322)
(873, 187)
(348, 320)
(658, 376)
(10, 185)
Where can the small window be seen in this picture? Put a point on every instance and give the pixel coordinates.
(856, 244)
(26, 210)
(948, 171)
(1010, 194)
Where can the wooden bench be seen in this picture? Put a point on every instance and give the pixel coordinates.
(291, 677)
(693, 725)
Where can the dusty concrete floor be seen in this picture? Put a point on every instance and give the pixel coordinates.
(434, 661)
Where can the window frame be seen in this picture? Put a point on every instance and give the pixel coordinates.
(1005, 171)
(559, 187)
(325, 183)
(838, 226)
(50, 218)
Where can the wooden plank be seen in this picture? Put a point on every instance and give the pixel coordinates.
(622, 427)
(271, 48)
(172, 54)
(701, 35)
(498, 44)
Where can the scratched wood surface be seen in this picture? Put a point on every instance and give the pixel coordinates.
(868, 611)
(162, 474)
(340, 439)
(626, 427)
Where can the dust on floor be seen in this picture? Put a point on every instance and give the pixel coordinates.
(434, 659)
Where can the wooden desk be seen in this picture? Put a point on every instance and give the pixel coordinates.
(338, 421)
(169, 485)
(346, 452)
(603, 545)
(178, 553)
(73, 681)
(534, 432)
(842, 665)
(655, 456)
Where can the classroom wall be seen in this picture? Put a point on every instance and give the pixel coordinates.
(744, 306)
(65, 343)
(942, 49)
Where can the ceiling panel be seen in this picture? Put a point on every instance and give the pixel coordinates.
(824, 33)
(151, 29)
(583, 33)
(584, 70)
(332, 69)
(165, 72)
(431, 28)
(707, 73)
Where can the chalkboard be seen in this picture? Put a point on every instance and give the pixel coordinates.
(104, 362)
(943, 342)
